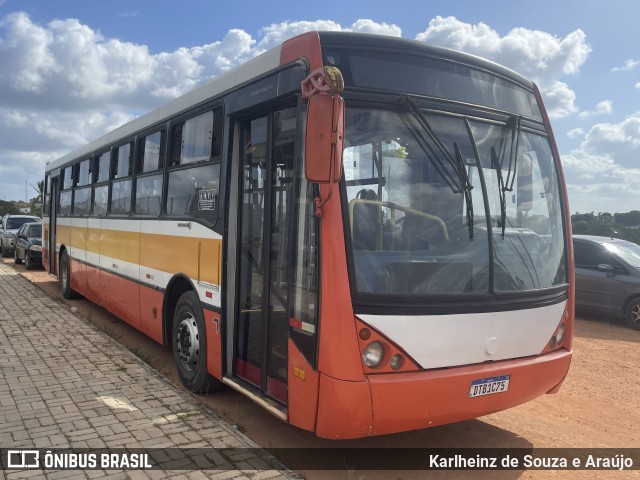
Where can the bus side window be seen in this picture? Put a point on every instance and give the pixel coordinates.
(193, 191)
(121, 189)
(150, 165)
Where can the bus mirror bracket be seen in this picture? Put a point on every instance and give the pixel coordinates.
(324, 129)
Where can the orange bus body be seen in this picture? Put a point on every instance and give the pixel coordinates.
(339, 397)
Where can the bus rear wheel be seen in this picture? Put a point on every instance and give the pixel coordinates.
(190, 346)
(64, 277)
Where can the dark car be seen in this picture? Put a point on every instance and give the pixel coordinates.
(29, 246)
(608, 276)
(11, 225)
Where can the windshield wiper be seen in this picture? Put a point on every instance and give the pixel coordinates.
(439, 152)
(513, 154)
(467, 190)
(461, 184)
(495, 164)
(506, 185)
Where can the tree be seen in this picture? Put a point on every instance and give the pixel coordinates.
(39, 188)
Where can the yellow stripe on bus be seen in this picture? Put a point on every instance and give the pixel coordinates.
(166, 253)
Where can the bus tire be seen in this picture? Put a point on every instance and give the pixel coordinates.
(64, 277)
(16, 259)
(190, 345)
(632, 313)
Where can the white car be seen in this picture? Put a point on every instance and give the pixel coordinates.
(10, 226)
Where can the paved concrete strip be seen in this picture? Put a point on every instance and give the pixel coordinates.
(64, 384)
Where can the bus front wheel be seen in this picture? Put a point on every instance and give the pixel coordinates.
(189, 345)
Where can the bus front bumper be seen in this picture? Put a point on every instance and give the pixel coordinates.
(397, 402)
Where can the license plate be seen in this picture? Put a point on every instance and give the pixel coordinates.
(489, 386)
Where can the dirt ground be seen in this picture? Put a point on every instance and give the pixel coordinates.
(597, 407)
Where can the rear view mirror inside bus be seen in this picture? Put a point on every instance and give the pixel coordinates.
(324, 138)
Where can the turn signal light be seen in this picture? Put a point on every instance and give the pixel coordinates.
(365, 333)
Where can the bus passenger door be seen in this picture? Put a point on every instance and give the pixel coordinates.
(53, 216)
(266, 174)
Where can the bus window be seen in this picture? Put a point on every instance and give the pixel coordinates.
(121, 189)
(65, 203)
(198, 139)
(100, 200)
(67, 178)
(82, 201)
(123, 162)
(151, 152)
(194, 191)
(84, 171)
(121, 197)
(101, 175)
(102, 167)
(149, 195)
(47, 196)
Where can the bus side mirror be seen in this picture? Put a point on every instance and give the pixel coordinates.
(324, 138)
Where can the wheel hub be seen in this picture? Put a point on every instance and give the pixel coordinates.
(188, 342)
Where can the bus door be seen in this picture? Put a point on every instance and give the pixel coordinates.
(267, 146)
(53, 217)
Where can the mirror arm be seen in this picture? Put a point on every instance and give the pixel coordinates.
(323, 80)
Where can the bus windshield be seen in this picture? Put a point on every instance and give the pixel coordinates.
(450, 205)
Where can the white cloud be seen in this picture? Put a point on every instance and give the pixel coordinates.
(537, 55)
(63, 83)
(602, 108)
(629, 64)
(575, 133)
(277, 33)
(606, 166)
(369, 26)
(26, 58)
(605, 107)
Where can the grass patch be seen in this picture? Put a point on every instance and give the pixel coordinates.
(144, 356)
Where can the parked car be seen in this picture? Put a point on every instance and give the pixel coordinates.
(29, 245)
(10, 226)
(608, 276)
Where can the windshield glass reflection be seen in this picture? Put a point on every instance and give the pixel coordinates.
(420, 226)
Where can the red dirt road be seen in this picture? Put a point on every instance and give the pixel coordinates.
(598, 406)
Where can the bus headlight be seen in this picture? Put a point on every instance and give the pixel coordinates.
(373, 354)
(560, 333)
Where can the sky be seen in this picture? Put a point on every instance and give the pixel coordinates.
(73, 70)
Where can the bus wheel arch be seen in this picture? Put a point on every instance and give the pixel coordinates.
(184, 330)
(178, 285)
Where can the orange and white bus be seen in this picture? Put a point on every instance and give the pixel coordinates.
(364, 234)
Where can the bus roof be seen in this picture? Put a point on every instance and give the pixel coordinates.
(222, 83)
(266, 62)
(349, 39)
